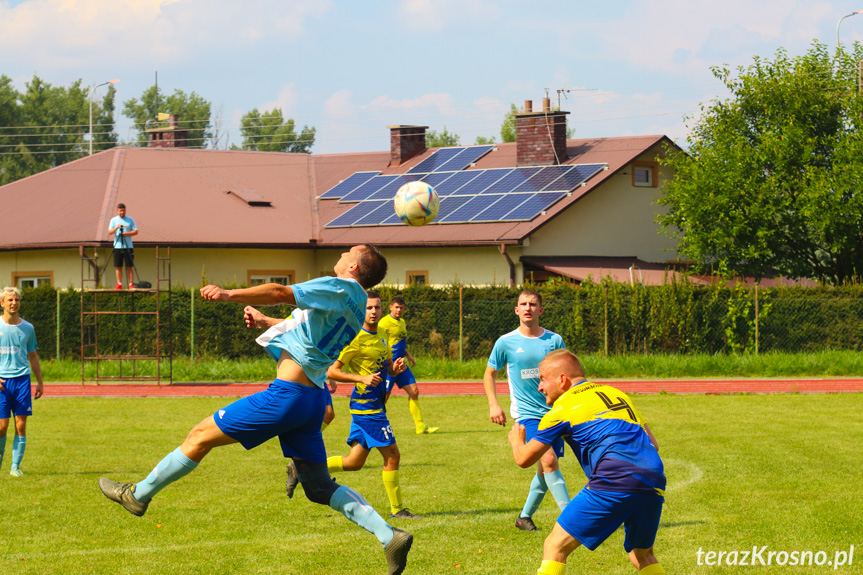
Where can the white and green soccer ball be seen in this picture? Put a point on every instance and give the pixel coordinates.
(416, 203)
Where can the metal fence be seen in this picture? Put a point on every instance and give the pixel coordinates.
(741, 321)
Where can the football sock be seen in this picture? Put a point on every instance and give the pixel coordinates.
(391, 484)
(19, 444)
(2, 448)
(352, 505)
(557, 486)
(414, 407)
(551, 568)
(534, 497)
(335, 464)
(655, 569)
(173, 467)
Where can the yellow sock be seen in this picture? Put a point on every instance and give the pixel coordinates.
(414, 407)
(655, 569)
(324, 425)
(551, 568)
(335, 464)
(391, 484)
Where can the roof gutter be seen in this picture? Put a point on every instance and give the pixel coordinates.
(511, 265)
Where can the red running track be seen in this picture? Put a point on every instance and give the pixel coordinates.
(705, 386)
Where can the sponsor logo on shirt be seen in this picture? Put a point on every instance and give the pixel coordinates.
(531, 373)
(221, 413)
(9, 349)
(519, 350)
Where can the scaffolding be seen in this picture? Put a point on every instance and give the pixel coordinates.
(100, 308)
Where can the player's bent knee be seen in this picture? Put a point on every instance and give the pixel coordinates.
(317, 483)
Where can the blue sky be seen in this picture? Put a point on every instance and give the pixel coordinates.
(350, 68)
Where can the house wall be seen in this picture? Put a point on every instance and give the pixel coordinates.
(616, 219)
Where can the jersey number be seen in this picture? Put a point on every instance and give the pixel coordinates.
(341, 335)
(387, 431)
(621, 404)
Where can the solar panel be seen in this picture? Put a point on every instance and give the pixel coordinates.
(473, 206)
(455, 182)
(388, 191)
(464, 159)
(486, 178)
(574, 177)
(364, 191)
(449, 205)
(498, 210)
(542, 178)
(511, 181)
(533, 205)
(436, 179)
(355, 213)
(348, 185)
(437, 159)
(377, 215)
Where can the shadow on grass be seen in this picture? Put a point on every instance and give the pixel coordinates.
(681, 524)
(507, 511)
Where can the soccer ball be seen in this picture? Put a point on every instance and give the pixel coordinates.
(416, 203)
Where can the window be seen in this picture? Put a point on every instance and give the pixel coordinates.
(416, 278)
(258, 277)
(644, 175)
(32, 279)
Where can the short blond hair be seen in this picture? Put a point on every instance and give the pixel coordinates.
(7, 290)
(566, 361)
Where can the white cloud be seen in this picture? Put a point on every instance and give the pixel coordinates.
(437, 15)
(441, 101)
(286, 100)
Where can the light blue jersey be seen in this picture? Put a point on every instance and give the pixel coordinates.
(521, 356)
(332, 313)
(122, 242)
(16, 341)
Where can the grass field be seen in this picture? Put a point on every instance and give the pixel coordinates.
(743, 470)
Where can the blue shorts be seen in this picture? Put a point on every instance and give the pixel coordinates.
(592, 516)
(286, 409)
(15, 397)
(404, 378)
(371, 431)
(531, 425)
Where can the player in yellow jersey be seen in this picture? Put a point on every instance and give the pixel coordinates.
(396, 332)
(370, 359)
(619, 455)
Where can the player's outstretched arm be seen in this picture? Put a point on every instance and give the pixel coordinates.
(494, 410)
(525, 454)
(254, 318)
(264, 294)
(36, 368)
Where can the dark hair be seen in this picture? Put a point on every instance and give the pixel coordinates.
(373, 295)
(531, 292)
(121, 206)
(399, 300)
(372, 266)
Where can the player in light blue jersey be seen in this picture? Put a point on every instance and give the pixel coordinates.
(619, 455)
(520, 351)
(18, 359)
(292, 408)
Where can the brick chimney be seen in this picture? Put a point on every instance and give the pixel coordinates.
(406, 142)
(169, 137)
(540, 136)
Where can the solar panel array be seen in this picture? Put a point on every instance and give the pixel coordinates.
(472, 196)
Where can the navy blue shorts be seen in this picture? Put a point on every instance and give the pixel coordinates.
(371, 431)
(531, 425)
(286, 409)
(404, 378)
(592, 516)
(15, 397)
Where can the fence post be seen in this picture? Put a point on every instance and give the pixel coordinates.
(192, 322)
(58, 326)
(460, 323)
(756, 320)
(606, 321)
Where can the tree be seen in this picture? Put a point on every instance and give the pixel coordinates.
(772, 181)
(507, 127)
(193, 114)
(269, 132)
(441, 139)
(45, 126)
(483, 141)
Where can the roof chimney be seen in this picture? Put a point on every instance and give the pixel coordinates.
(540, 136)
(170, 136)
(406, 142)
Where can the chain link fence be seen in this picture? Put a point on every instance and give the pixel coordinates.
(601, 319)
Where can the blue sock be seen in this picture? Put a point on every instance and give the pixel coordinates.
(2, 449)
(352, 505)
(173, 467)
(557, 486)
(19, 444)
(534, 498)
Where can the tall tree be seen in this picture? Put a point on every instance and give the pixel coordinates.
(443, 139)
(270, 132)
(193, 114)
(507, 127)
(773, 178)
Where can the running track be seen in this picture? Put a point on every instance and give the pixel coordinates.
(705, 386)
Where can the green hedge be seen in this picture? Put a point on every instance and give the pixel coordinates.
(672, 318)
